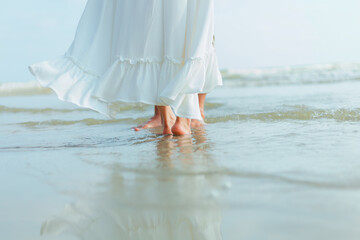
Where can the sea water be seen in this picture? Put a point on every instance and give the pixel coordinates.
(279, 158)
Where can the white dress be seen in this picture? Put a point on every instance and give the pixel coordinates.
(157, 52)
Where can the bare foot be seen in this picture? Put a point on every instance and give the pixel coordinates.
(196, 123)
(167, 119)
(153, 122)
(181, 126)
(167, 130)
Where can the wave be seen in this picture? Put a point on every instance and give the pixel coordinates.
(310, 74)
(22, 89)
(5, 109)
(120, 107)
(299, 112)
(86, 121)
(296, 113)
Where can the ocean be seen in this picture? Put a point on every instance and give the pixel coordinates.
(279, 158)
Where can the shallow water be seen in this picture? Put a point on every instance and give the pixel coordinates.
(278, 159)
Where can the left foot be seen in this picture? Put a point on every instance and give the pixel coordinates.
(181, 126)
(154, 122)
(168, 124)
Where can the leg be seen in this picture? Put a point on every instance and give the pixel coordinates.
(167, 118)
(155, 121)
(202, 97)
(196, 123)
(181, 126)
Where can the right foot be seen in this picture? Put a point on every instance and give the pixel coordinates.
(181, 126)
(196, 123)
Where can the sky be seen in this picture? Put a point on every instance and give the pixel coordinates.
(249, 33)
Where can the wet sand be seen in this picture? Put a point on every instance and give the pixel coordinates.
(277, 160)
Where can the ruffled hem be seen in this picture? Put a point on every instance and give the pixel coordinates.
(149, 81)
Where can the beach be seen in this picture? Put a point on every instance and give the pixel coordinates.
(277, 159)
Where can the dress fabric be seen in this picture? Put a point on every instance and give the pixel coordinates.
(158, 52)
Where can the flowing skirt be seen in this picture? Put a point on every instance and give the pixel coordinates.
(158, 52)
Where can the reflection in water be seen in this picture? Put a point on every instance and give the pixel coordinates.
(176, 199)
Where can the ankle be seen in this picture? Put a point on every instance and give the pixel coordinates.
(168, 120)
(202, 112)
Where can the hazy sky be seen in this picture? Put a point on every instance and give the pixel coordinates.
(254, 33)
(249, 33)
